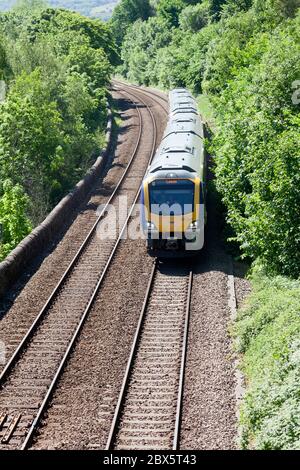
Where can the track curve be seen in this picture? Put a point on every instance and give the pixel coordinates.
(29, 378)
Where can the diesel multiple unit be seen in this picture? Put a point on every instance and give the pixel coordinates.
(173, 190)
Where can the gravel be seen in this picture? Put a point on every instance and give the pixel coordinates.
(242, 284)
(82, 407)
(24, 302)
(93, 376)
(209, 403)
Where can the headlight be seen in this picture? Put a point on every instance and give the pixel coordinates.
(151, 226)
(193, 226)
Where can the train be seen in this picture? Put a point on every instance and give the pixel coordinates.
(173, 193)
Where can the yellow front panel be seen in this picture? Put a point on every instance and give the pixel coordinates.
(166, 224)
(177, 223)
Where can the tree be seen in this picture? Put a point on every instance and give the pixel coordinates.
(57, 67)
(194, 17)
(257, 149)
(126, 13)
(56, 21)
(285, 8)
(216, 8)
(169, 10)
(93, 62)
(30, 135)
(14, 223)
(140, 47)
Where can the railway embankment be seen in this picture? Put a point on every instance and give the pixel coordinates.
(45, 233)
(265, 333)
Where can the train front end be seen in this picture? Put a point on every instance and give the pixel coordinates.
(173, 214)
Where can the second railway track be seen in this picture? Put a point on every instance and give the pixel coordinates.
(29, 377)
(148, 412)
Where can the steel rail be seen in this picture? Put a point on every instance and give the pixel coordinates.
(122, 394)
(37, 321)
(58, 286)
(182, 366)
(145, 92)
(124, 388)
(52, 386)
(77, 331)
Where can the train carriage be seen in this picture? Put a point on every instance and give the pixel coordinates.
(173, 191)
(184, 123)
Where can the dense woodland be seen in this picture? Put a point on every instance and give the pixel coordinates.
(244, 57)
(56, 66)
(94, 8)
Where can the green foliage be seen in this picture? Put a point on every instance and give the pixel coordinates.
(140, 46)
(169, 10)
(226, 54)
(231, 7)
(285, 8)
(152, 53)
(183, 62)
(195, 17)
(2, 59)
(55, 22)
(52, 120)
(257, 148)
(246, 63)
(267, 331)
(244, 56)
(14, 223)
(126, 13)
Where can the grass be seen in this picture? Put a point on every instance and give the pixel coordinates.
(267, 333)
(206, 109)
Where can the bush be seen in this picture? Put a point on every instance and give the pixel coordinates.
(194, 17)
(267, 332)
(14, 223)
(57, 65)
(257, 150)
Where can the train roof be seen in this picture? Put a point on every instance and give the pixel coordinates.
(181, 151)
(183, 104)
(185, 123)
(179, 93)
(188, 110)
(178, 152)
(179, 97)
(176, 142)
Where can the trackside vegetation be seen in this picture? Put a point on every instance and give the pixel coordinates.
(268, 335)
(242, 57)
(56, 66)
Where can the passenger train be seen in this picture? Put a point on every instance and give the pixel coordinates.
(173, 191)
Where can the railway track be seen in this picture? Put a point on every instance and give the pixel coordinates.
(31, 374)
(148, 412)
(147, 93)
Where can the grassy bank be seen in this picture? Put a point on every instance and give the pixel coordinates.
(267, 334)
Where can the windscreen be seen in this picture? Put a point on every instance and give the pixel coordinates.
(172, 197)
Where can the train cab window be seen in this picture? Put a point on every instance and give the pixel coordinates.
(172, 197)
